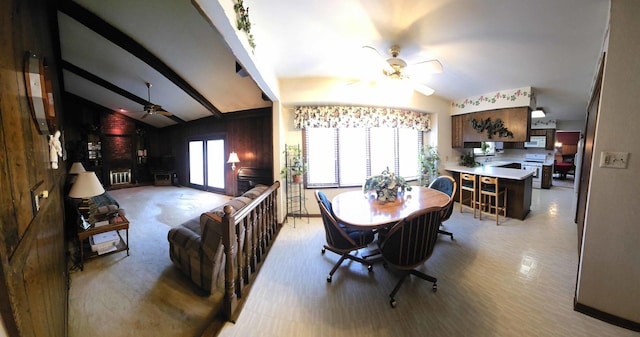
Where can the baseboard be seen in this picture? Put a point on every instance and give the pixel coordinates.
(606, 317)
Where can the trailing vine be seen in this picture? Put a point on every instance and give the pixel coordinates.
(243, 23)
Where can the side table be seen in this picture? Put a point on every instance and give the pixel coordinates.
(117, 224)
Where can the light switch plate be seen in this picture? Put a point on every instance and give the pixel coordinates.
(614, 159)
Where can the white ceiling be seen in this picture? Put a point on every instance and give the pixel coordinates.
(484, 46)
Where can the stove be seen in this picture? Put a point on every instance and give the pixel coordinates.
(534, 162)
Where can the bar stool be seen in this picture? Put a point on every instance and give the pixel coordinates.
(490, 194)
(468, 183)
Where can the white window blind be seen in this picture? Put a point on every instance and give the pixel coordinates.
(346, 156)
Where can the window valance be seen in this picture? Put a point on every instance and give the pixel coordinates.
(338, 116)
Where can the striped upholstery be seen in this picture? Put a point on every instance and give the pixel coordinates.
(195, 247)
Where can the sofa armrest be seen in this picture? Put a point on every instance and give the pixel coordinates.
(211, 228)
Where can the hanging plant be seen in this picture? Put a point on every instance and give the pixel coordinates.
(242, 21)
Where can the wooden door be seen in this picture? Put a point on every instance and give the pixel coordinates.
(587, 153)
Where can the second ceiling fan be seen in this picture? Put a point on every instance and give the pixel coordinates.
(396, 68)
(152, 109)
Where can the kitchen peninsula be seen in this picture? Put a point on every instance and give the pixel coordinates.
(517, 182)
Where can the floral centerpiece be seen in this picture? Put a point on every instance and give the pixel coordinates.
(386, 185)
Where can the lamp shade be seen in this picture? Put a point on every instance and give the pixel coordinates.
(76, 168)
(87, 185)
(233, 158)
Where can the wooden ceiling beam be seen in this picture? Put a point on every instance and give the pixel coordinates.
(110, 86)
(122, 40)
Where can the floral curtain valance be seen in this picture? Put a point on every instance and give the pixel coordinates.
(337, 116)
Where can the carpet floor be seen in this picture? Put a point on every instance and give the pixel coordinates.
(144, 294)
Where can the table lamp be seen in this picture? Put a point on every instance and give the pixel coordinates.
(76, 168)
(86, 186)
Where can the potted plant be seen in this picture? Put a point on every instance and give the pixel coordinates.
(296, 167)
(429, 165)
(386, 185)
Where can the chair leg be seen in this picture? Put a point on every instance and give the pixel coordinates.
(395, 290)
(440, 231)
(335, 267)
(401, 281)
(344, 256)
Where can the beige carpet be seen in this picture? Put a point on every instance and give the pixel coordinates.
(143, 294)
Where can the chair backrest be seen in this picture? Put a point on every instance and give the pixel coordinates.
(446, 185)
(335, 235)
(410, 241)
(489, 184)
(467, 181)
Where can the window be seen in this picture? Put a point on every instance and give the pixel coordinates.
(345, 157)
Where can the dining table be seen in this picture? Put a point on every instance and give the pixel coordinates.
(362, 210)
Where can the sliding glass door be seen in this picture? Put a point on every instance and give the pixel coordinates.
(206, 164)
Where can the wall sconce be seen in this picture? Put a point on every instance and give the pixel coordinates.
(233, 159)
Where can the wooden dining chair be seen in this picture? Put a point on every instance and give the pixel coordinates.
(447, 185)
(341, 239)
(409, 243)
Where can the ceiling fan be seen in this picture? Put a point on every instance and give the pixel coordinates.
(395, 68)
(152, 109)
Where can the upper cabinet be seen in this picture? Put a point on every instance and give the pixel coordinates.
(500, 125)
(456, 131)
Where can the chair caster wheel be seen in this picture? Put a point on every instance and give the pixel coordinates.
(323, 250)
(434, 288)
(393, 303)
(370, 268)
(329, 279)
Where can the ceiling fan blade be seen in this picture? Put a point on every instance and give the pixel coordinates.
(145, 115)
(425, 67)
(371, 57)
(423, 89)
(164, 113)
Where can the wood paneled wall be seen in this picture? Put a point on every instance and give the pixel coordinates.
(33, 289)
(249, 133)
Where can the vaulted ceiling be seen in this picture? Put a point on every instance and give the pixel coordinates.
(110, 49)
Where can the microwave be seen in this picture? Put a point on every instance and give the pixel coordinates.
(536, 142)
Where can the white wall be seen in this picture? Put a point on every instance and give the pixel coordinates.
(609, 275)
(331, 91)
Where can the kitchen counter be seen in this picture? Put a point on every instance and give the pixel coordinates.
(493, 171)
(519, 185)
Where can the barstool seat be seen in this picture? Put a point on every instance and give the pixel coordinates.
(468, 184)
(490, 195)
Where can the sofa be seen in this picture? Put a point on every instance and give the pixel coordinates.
(196, 246)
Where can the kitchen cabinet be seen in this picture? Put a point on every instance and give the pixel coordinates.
(547, 176)
(515, 120)
(456, 132)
